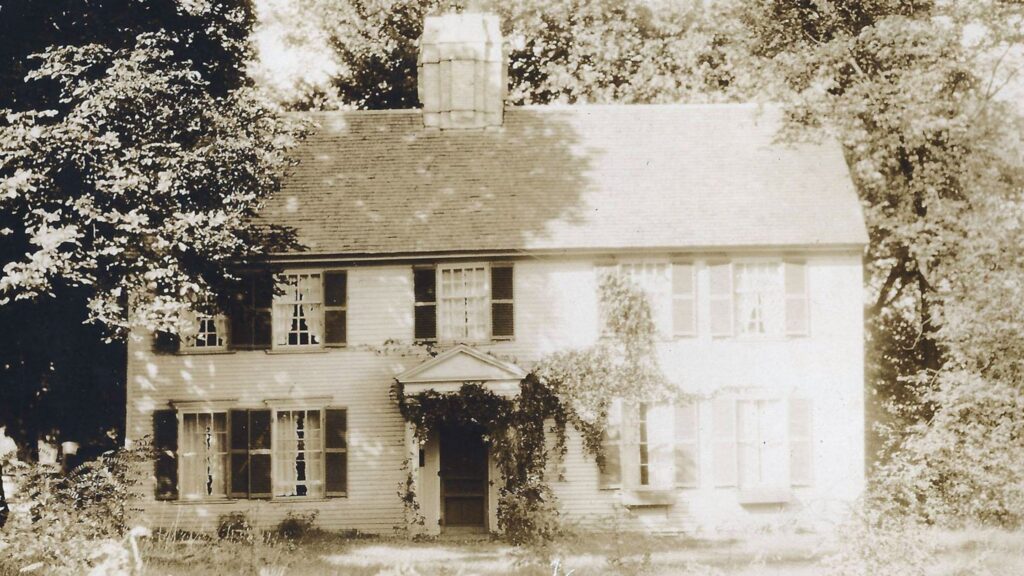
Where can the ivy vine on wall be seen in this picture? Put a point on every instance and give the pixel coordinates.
(573, 387)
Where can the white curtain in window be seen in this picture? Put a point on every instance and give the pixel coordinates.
(298, 310)
(761, 442)
(760, 300)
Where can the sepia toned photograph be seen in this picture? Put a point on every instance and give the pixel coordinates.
(521, 287)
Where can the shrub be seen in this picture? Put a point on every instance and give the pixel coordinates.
(879, 541)
(296, 526)
(235, 526)
(70, 524)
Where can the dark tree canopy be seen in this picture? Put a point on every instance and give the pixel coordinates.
(134, 155)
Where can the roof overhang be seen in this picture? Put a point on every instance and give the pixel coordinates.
(447, 372)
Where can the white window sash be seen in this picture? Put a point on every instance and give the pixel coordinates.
(463, 302)
(284, 459)
(199, 462)
(298, 311)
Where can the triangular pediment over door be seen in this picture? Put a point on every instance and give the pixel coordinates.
(448, 371)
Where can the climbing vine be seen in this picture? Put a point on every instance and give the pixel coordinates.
(570, 387)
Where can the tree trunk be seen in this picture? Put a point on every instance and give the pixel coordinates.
(4, 510)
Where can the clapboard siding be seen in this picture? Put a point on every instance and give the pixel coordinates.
(555, 308)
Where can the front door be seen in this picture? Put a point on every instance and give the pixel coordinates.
(463, 477)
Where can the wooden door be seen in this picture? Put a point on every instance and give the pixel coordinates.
(463, 477)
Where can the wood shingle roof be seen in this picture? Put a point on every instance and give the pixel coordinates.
(566, 178)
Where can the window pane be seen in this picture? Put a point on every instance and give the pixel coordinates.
(259, 474)
(239, 473)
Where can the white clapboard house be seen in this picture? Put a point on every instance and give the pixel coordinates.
(482, 229)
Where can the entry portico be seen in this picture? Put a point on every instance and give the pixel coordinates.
(456, 477)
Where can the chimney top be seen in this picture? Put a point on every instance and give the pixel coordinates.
(462, 71)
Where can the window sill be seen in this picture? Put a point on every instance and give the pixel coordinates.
(298, 350)
(648, 498)
(764, 495)
(201, 352)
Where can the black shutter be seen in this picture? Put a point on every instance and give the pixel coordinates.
(502, 311)
(335, 307)
(166, 343)
(336, 451)
(260, 480)
(250, 313)
(263, 302)
(239, 444)
(424, 288)
(165, 444)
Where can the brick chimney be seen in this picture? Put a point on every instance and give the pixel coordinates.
(462, 71)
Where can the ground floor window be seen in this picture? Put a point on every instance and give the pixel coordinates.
(250, 453)
(298, 453)
(204, 455)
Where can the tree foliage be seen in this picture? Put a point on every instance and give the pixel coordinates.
(134, 155)
(911, 91)
(598, 51)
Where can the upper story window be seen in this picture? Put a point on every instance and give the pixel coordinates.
(311, 309)
(209, 332)
(670, 289)
(758, 298)
(464, 302)
(298, 310)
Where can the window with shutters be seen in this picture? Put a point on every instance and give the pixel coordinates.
(638, 447)
(203, 452)
(653, 278)
(464, 302)
(298, 453)
(758, 298)
(762, 443)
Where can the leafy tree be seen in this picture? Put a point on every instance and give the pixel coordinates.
(911, 90)
(134, 155)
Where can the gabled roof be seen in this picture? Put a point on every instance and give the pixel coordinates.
(566, 178)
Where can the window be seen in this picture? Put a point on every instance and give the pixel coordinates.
(652, 278)
(762, 443)
(464, 302)
(204, 454)
(298, 310)
(298, 453)
(759, 298)
(210, 332)
(638, 447)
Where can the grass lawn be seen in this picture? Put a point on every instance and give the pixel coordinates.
(961, 554)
